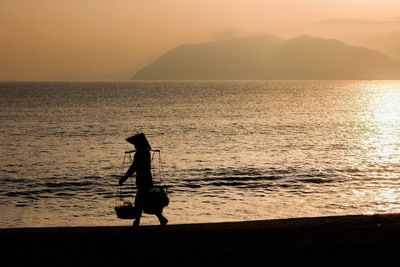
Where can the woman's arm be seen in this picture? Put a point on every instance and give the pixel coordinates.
(128, 174)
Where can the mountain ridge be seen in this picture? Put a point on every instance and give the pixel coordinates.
(268, 57)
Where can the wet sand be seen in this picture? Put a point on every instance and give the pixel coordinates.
(324, 241)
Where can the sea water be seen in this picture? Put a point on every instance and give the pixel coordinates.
(230, 150)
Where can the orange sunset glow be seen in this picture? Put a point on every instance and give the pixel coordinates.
(111, 40)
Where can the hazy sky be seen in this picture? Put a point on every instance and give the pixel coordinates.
(43, 39)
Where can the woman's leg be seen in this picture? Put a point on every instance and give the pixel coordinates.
(138, 208)
(138, 215)
(162, 219)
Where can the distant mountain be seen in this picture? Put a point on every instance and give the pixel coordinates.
(381, 35)
(268, 57)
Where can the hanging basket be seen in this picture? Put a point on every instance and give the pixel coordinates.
(125, 210)
(155, 200)
(153, 203)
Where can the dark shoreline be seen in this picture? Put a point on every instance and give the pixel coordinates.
(360, 240)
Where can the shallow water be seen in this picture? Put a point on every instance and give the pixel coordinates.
(230, 150)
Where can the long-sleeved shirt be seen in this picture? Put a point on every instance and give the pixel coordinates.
(142, 166)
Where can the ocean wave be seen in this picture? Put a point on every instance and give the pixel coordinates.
(201, 181)
(252, 178)
(54, 187)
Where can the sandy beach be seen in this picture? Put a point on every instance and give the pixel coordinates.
(324, 241)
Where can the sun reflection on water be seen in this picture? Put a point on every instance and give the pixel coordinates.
(385, 118)
(382, 146)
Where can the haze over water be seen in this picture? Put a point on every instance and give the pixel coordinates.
(111, 40)
(231, 150)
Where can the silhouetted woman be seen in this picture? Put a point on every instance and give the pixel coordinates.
(144, 181)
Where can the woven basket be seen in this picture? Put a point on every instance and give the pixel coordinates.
(125, 210)
(155, 200)
(153, 203)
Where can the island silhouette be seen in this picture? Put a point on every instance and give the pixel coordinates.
(269, 57)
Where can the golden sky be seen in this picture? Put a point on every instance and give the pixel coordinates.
(44, 39)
